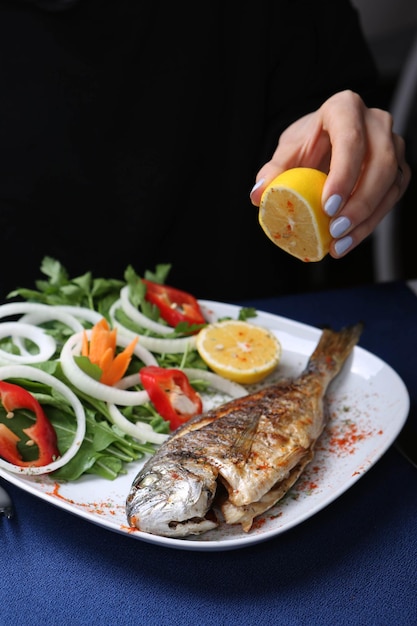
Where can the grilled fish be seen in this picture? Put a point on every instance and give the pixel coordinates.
(238, 460)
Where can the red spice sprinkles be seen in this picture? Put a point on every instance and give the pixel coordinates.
(344, 435)
(94, 508)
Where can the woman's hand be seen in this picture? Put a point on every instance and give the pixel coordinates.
(364, 158)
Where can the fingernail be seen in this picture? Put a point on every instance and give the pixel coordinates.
(257, 185)
(339, 226)
(342, 245)
(332, 204)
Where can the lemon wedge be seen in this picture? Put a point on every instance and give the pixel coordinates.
(292, 216)
(238, 350)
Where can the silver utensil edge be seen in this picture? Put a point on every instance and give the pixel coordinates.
(6, 505)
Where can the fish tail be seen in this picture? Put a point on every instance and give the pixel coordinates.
(334, 348)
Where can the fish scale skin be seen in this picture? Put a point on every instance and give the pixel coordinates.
(256, 446)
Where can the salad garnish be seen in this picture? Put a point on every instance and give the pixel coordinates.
(77, 346)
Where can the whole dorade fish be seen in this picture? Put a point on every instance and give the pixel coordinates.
(241, 458)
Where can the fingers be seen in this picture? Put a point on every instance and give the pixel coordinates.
(382, 181)
(347, 236)
(344, 119)
(364, 158)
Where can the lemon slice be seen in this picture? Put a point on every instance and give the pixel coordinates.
(292, 216)
(239, 351)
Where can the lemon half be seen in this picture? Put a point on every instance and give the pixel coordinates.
(292, 216)
(238, 350)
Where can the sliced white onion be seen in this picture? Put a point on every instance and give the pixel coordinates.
(35, 313)
(217, 382)
(177, 345)
(53, 313)
(140, 431)
(32, 373)
(81, 312)
(59, 312)
(92, 387)
(131, 381)
(138, 317)
(39, 317)
(45, 343)
(20, 308)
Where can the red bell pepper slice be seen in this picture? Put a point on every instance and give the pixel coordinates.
(42, 432)
(171, 394)
(174, 305)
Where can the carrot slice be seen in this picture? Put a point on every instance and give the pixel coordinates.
(117, 368)
(106, 360)
(100, 340)
(101, 351)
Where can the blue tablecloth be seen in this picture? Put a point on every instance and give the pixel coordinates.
(355, 562)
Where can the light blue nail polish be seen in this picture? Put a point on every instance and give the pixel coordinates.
(332, 205)
(339, 226)
(257, 185)
(342, 245)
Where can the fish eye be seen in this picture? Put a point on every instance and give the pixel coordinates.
(149, 480)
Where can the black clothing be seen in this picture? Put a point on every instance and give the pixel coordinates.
(131, 133)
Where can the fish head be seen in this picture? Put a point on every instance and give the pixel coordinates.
(172, 499)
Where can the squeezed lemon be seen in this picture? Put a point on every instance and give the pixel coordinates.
(292, 216)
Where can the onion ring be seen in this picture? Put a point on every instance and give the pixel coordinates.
(160, 345)
(39, 317)
(80, 312)
(138, 317)
(34, 313)
(45, 343)
(141, 431)
(20, 308)
(217, 382)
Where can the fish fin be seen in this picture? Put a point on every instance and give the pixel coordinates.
(244, 440)
(333, 348)
(246, 514)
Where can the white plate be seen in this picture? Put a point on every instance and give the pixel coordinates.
(369, 404)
